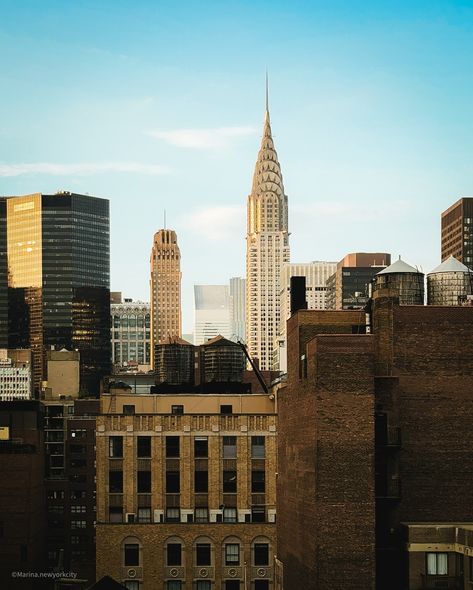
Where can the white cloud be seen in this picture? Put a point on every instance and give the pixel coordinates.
(81, 169)
(216, 223)
(203, 139)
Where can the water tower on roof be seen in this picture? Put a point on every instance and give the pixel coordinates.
(405, 280)
(450, 283)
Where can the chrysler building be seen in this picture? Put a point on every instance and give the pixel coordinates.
(267, 248)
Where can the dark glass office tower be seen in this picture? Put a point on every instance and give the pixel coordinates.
(3, 275)
(59, 280)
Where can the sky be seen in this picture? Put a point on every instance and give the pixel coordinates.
(159, 105)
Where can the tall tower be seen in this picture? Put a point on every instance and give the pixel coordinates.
(165, 289)
(59, 280)
(267, 249)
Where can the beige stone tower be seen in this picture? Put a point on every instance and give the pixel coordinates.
(165, 289)
(267, 248)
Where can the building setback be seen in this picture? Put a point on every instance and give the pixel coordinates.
(165, 289)
(267, 249)
(374, 428)
(457, 231)
(58, 278)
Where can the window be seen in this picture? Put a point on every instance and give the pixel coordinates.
(143, 446)
(229, 447)
(173, 554)
(257, 482)
(232, 554)
(232, 584)
(177, 409)
(258, 514)
(78, 524)
(131, 554)
(470, 560)
(202, 554)
(143, 482)
(201, 447)
(144, 514)
(257, 447)
(229, 515)
(261, 584)
(55, 495)
(202, 585)
(201, 482)
(115, 482)
(229, 482)
(261, 554)
(174, 585)
(173, 514)
(201, 515)
(226, 409)
(172, 446)
(131, 584)
(128, 410)
(173, 484)
(437, 564)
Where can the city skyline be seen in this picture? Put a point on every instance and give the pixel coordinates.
(370, 110)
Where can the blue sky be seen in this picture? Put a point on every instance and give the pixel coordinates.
(159, 105)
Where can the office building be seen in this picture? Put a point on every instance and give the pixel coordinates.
(267, 249)
(212, 312)
(131, 337)
(186, 484)
(3, 275)
(348, 287)
(316, 274)
(15, 375)
(165, 288)
(457, 231)
(238, 308)
(58, 278)
(374, 461)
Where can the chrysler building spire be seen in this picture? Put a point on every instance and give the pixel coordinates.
(267, 248)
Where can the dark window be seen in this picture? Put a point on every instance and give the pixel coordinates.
(23, 553)
(261, 554)
(258, 514)
(202, 554)
(173, 484)
(173, 551)
(144, 482)
(78, 463)
(115, 514)
(229, 482)
(261, 584)
(229, 447)
(132, 554)
(116, 446)
(257, 447)
(115, 482)
(177, 409)
(226, 409)
(201, 446)
(257, 482)
(201, 479)
(202, 585)
(232, 584)
(128, 409)
(143, 446)
(172, 446)
(232, 554)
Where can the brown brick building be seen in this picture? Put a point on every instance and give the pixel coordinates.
(375, 430)
(186, 491)
(457, 231)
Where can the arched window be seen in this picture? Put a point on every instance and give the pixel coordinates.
(203, 551)
(173, 551)
(261, 551)
(232, 553)
(131, 552)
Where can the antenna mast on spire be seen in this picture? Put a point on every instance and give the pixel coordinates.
(267, 92)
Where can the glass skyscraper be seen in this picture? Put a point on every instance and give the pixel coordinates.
(59, 280)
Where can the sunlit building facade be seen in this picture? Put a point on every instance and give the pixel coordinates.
(130, 333)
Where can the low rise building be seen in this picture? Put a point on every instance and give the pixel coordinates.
(15, 375)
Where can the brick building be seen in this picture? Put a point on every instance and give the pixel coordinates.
(375, 430)
(457, 231)
(186, 490)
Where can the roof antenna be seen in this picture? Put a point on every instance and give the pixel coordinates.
(267, 92)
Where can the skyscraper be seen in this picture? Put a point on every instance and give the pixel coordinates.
(212, 314)
(165, 288)
(59, 280)
(457, 231)
(267, 249)
(238, 308)
(3, 275)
